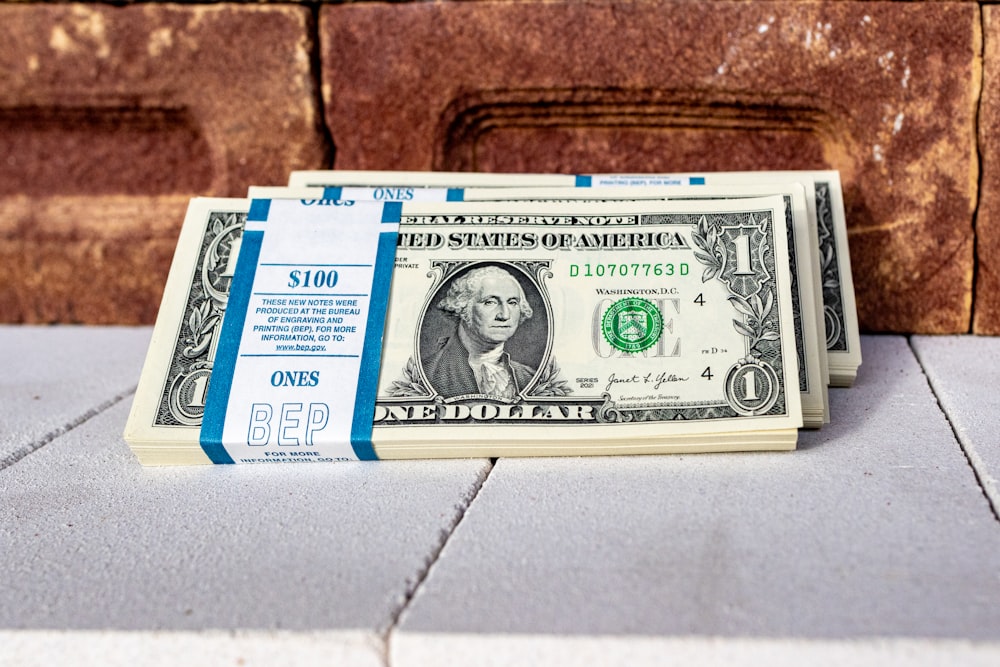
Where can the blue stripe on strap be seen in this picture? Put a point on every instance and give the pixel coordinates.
(371, 355)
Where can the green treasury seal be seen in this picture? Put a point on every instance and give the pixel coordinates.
(632, 325)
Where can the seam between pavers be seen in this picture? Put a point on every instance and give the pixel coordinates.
(447, 534)
(971, 457)
(34, 446)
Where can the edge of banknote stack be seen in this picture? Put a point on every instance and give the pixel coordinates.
(528, 315)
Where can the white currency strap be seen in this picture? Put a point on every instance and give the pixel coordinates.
(300, 348)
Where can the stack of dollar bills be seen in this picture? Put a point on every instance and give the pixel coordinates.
(371, 315)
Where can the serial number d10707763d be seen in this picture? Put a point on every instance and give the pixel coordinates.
(613, 269)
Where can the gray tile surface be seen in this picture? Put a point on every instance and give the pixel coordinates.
(965, 374)
(873, 543)
(875, 530)
(52, 378)
(92, 541)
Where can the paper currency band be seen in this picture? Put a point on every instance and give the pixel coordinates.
(220, 386)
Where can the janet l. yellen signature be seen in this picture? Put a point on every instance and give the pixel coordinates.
(655, 379)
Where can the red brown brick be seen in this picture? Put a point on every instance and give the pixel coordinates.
(884, 92)
(987, 306)
(112, 117)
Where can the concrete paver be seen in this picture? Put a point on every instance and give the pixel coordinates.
(55, 376)
(872, 543)
(965, 374)
(214, 561)
(874, 532)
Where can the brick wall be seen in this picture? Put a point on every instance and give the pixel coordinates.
(111, 117)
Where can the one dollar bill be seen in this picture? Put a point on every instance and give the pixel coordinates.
(807, 304)
(807, 297)
(589, 327)
(826, 212)
(557, 384)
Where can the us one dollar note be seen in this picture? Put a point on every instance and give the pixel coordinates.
(807, 304)
(826, 211)
(164, 424)
(803, 245)
(589, 327)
